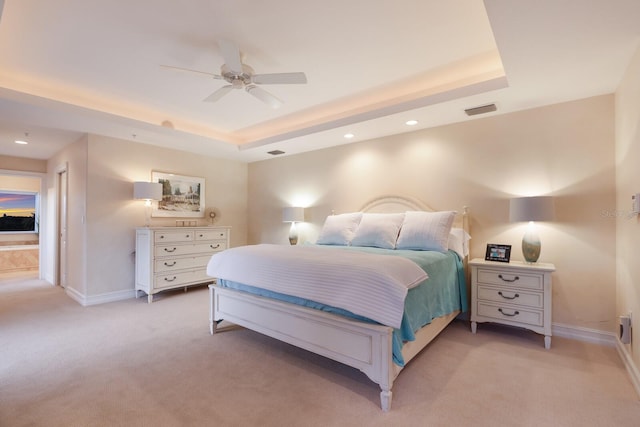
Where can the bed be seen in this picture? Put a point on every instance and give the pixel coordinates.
(378, 346)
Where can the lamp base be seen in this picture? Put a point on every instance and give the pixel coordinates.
(531, 246)
(293, 234)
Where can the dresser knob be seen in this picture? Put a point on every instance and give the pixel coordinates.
(508, 280)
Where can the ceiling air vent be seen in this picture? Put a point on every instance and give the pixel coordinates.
(480, 110)
(275, 152)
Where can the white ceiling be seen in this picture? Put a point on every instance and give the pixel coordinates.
(69, 67)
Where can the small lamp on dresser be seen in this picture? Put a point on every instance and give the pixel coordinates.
(531, 209)
(293, 215)
(147, 191)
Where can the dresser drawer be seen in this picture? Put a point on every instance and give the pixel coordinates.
(511, 314)
(211, 234)
(174, 236)
(511, 296)
(198, 248)
(173, 280)
(171, 264)
(513, 279)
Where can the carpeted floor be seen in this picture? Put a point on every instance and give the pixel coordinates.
(131, 363)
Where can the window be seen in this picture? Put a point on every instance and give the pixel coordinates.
(18, 212)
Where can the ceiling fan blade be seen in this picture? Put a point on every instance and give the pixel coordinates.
(188, 70)
(279, 78)
(264, 96)
(231, 55)
(218, 94)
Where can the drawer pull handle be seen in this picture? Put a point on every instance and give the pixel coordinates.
(162, 236)
(170, 250)
(170, 265)
(508, 280)
(166, 279)
(202, 235)
(187, 236)
(215, 247)
(515, 313)
(506, 297)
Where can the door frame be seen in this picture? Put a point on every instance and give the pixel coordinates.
(60, 257)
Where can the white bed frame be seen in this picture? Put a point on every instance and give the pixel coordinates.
(364, 346)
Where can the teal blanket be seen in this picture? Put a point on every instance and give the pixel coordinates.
(442, 293)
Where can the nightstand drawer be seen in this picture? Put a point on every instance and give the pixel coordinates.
(511, 314)
(511, 296)
(514, 279)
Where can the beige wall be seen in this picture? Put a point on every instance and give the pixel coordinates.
(627, 183)
(564, 150)
(22, 164)
(73, 158)
(103, 215)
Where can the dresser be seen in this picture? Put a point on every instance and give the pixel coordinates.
(175, 257)
(515, 293)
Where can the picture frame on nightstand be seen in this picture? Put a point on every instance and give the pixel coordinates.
(500, 253)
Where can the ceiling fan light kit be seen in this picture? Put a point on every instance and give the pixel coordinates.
(242, 76)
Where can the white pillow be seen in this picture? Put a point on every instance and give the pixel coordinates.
(427, 231)
(339, 229)
(378, 230)
(459, 241)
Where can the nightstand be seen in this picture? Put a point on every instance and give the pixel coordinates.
(515, 293)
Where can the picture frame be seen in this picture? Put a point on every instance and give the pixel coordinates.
(496, 252)
(182, 196)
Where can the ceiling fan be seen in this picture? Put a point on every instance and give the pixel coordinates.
(242, 76)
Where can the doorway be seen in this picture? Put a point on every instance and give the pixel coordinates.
(19, 233)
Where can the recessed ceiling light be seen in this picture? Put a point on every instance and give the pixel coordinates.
(349, 135)
(23, 141)
(411, 122)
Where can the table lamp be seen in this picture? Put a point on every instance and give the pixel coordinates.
(531, 209)
(293, 215)
(147, 191)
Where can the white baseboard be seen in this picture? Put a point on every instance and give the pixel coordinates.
(632, 370)
(603, 338)
(75, 295)
(593, 336)
(100, 299)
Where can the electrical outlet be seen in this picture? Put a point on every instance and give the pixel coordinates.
(625, 329)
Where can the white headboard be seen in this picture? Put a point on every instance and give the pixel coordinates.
(398, 204)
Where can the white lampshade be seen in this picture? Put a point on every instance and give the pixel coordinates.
(147, 191)
(293, 214)
(540, 208)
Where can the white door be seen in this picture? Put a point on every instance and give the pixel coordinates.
(62, 229)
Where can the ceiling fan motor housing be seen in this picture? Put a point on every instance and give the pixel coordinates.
(237, 80)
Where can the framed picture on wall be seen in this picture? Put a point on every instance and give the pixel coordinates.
(500, 253)
(182, 196)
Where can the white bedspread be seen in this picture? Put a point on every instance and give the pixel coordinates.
(365, 284)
